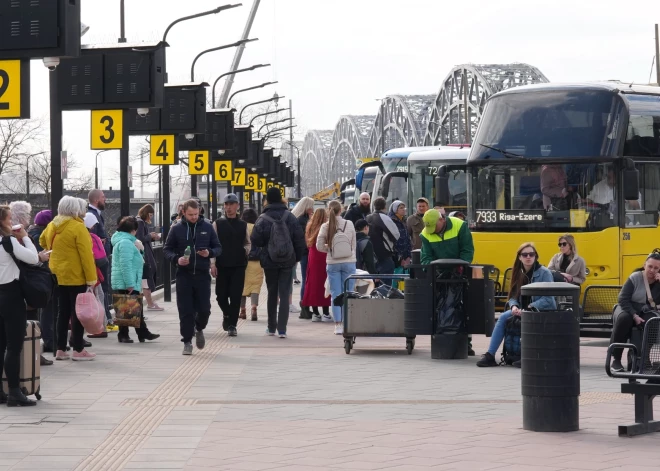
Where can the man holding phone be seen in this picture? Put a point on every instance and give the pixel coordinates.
(190, 245)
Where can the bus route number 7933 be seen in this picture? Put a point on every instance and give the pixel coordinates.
(486, 217)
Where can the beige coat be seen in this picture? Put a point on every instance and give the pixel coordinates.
(577, 268)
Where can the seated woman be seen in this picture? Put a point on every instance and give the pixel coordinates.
(634, 306)
(567, 265)
(526, 269)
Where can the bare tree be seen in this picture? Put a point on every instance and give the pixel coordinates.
(21, 140)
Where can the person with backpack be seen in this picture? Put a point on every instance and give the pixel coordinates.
(190, 245)
(337, 238)
(229, 267)
(526, 270)
(365, 259)
(316, 271)
(278, 232)
(384, 235)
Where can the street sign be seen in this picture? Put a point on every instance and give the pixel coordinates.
(64, 164)
(246, 196)
(262, 185)
(163, 150)
(30, 29)
(281, 188)
(239, 177)
(107, 129)
(251, 181)
(15, 89)
(224, 170)
(198, 162)
(269, 185)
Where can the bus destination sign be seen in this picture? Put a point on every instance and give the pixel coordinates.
(510, 217)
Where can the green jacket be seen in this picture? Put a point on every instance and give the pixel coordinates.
(455, 242)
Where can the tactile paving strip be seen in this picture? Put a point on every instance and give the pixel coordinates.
(122, 443)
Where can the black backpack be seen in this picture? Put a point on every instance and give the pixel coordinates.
(280, 246)
(36, 281)
(359, 261)
(511, 347)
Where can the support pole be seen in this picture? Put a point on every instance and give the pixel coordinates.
(124, 190)
(657, 55)
(167, 266)
(214, 193)
(466, 109)
(56, 183)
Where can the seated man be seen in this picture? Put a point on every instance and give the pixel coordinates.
(603, 193)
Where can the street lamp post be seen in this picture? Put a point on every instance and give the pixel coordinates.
(266, 114)
(226, 46)
(96, 168)
(248, 89)
(247, 69)
(198, 15)
(272, 132)
(292, 146)
(275, 98)
(271, 123)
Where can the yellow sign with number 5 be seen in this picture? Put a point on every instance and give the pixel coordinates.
(224, 171)
(107, 129)
(198, 162)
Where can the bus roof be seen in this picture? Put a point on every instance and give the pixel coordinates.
(443, 153)
(405, 151)
(612, 85)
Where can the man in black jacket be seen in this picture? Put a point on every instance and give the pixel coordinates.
(229, 268)
(384, 234)
(360, 210)
(278, 275)
(193, 281)
(364, 249)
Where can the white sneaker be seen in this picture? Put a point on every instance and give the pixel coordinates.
(339, 329)
(294, 309)
(327, 318)
(316, 318)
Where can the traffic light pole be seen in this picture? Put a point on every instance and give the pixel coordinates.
(56, 183)
(124, 189)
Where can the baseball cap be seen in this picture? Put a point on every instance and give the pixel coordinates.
(422, 200)
(230, 198)
(431, 218)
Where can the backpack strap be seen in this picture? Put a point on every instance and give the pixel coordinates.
(648, 291)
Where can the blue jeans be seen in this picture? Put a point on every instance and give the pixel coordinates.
(498, 333)
(337, 274)
(303, 271)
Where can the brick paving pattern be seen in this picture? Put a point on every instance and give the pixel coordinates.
(262, 403)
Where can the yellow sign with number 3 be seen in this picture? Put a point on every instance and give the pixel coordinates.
(107, 129)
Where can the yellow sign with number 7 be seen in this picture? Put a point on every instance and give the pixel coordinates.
(239, 177)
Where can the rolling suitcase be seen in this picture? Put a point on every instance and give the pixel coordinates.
(30, 362)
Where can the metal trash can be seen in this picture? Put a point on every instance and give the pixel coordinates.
(550, 355)
(480, 300)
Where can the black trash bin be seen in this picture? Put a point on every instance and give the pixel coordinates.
(480, 300)
(550, 354)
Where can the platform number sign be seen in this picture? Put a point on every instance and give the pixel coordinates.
(269, 185)
(198, 162)
(107, 129)
(239, 177)
(251, 181)
(224, 170)
(262, 185)
(14, 89)
(282, 192)
(163, 150)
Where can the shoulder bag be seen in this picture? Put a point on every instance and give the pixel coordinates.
(35, 280)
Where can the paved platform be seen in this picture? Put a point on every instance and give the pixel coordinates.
(262, 403)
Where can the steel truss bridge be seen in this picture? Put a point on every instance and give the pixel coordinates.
(409, 120)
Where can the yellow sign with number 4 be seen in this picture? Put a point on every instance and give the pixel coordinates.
(107, 129)
(163, 150)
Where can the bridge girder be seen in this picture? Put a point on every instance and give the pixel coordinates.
(314, 161)
(349, 143)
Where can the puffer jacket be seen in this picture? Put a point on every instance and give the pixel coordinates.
(127, 262)
(403, 245)
(71, 261)
(261, 235)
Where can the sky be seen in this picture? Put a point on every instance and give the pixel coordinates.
(334, 58)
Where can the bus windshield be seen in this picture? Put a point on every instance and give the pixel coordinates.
(421, 177)
(394, 164)
(552, 124)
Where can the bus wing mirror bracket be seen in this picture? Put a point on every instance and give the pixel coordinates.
(387, 179)
(630, 181)
(441, 184)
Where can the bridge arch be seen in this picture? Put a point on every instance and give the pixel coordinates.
(401, 122)
(350, 141)
(465, 91)
(315, 157)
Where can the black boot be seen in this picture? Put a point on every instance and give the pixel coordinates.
(148, 336)
(16, 398)
(124, 339)
(305, 313)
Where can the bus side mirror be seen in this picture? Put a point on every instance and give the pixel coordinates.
(442, 196)
(630, 182)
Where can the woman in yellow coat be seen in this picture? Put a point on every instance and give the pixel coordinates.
(254, 275)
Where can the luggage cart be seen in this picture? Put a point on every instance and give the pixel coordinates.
(372, 317)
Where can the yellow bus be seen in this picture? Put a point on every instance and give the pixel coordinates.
(582, 159)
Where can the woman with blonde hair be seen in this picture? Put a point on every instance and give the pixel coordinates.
(340, 258)
(567, 266)
(526, 270)
(316, 270)
(303, 211)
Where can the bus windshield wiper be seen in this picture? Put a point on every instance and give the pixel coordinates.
(505, 153)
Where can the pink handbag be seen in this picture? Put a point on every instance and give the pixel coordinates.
(90, 312)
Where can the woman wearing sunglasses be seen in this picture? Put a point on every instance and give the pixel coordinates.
(638, 302)
(567, 265)
(526, 269)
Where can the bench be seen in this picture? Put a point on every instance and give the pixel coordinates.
(597, 306)
(648, 369)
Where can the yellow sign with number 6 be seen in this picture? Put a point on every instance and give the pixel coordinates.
(107, 129)
(224, 171)
(239, 177)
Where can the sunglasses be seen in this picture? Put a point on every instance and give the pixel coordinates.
(562, 244)
(528, 254)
